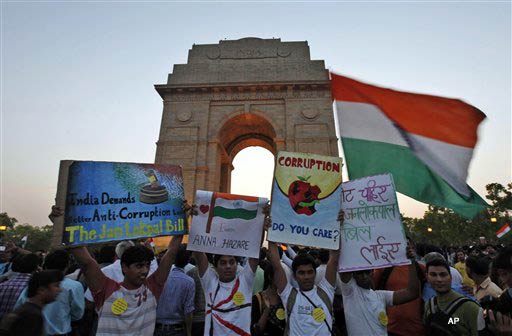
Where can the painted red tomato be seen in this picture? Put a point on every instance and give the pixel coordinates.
(303, 196)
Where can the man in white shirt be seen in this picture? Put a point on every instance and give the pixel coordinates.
(227, 294)
(365, 309)
(309, 307)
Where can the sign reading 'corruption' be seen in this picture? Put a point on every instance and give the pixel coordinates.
(306, 200)
(108, 201)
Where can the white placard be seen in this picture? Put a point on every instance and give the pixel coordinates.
(372, 235)
(227, 224)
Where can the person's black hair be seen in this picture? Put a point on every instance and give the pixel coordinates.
(182, 257)
(57, 260)
(438, 262)
(136, 254)
(303, 259)
(216, 259)
(504, 259)
(323, 256)
(107, 254)
(478, 265)
(25, 263)
(43, 279)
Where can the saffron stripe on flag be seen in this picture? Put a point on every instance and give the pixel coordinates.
(504, 229)
(232, 197)
(444, 119)
(234, 213)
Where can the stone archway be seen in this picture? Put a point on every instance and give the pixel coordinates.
(241, 131)
(241, 93)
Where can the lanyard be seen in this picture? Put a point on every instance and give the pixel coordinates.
(314, 305)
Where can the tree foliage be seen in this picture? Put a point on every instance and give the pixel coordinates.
(7, 221)
(38, 238)
(450, 229)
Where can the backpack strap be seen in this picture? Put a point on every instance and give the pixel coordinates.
(456, 304)
(289, 306)
(260, 301)
(325, 298)
(432, 303)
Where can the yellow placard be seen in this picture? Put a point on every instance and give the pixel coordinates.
(383, 318)
(239, 298)
(119, 306)
(280, 314)
(318, 315)
(296, 170)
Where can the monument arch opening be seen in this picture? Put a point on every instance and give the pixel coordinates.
(248, 178)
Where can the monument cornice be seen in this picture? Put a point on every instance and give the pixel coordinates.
(244, 91)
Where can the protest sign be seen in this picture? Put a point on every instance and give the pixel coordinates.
(227, 224)
(109, 201)
(372, 235)
(306, 194)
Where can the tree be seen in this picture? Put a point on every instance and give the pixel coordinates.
(39, 238)
(7, 221)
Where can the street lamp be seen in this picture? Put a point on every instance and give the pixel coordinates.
(494, 219)
(3, 227)
(429, 229)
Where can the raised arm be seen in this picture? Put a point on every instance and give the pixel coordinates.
(201, 262)
(94, 277)
(162, 272)
(332, 267)
(413, 286)
(279, 275)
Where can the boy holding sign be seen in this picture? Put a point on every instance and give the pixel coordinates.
(128, 307)
(309, 307)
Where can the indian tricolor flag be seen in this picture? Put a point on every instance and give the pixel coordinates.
(504, 229)
(230, 206)
(426, 142)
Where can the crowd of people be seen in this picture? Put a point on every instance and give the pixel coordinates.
(127, 289)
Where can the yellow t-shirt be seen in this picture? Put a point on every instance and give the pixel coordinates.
(461, 267)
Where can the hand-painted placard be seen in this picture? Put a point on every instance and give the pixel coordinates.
(306, 194)
(372, 235)
(227, 224)
(109, 201)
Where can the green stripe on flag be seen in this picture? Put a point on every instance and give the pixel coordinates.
(226, 213)
(412, 177)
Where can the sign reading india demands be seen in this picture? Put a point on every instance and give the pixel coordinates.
(306, 195)
(227, 224)
(372, 235)
(109, 201)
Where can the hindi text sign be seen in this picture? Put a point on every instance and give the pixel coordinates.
(372, 234)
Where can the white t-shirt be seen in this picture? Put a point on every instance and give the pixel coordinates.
(365, 309)
(225, 296)
(302, 319)
(456, 276)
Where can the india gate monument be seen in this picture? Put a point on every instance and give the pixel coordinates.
(241, 93)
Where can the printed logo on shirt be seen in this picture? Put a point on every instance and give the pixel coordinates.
(305, 310)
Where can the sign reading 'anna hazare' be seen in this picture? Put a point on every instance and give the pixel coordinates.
(372, 234)
(227, 224)
(108, 201)
(306, 196)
